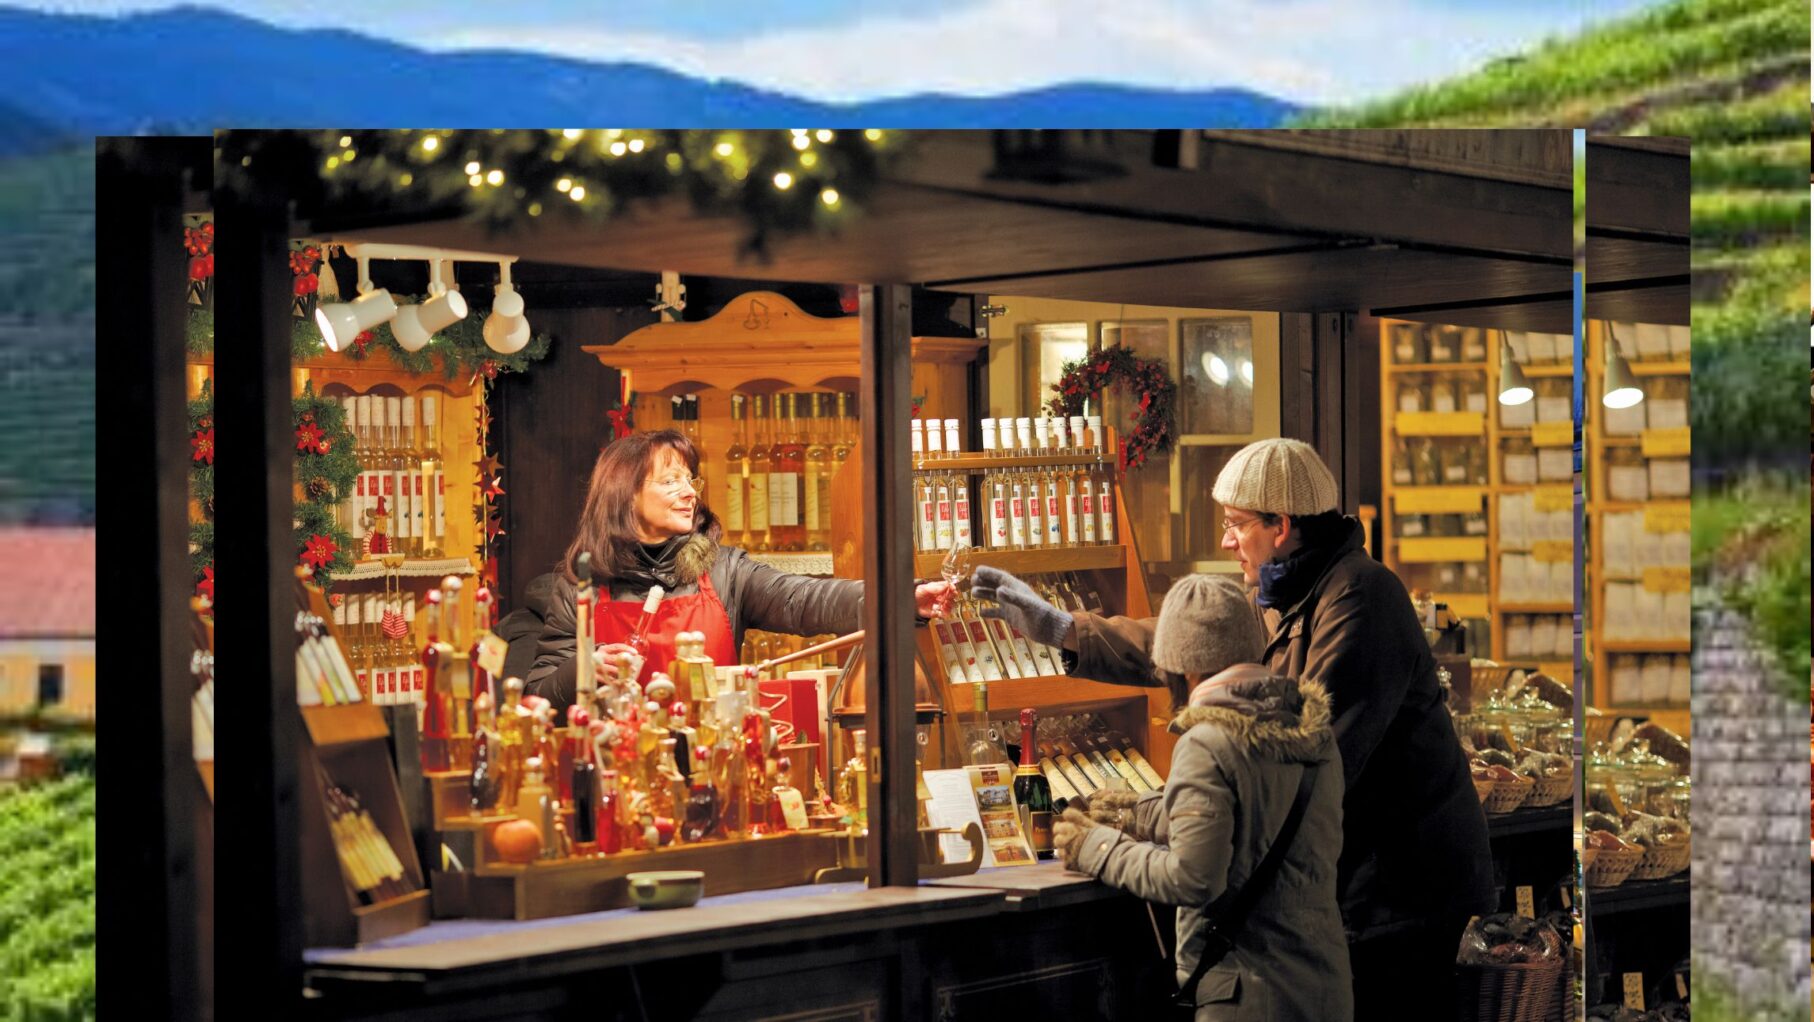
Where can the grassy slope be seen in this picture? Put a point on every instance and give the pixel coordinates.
(47, 343)
(1732, 75)
(47, 902)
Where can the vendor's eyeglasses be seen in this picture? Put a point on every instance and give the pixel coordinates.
(677, 482)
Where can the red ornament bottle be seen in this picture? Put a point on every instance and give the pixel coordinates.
(435, 735)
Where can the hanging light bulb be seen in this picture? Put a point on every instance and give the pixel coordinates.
(1621, 388)
(506, 331)
(340, 322)
(415, 324)
(1514, 389)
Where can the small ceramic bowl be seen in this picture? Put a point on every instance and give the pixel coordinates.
(674, 888)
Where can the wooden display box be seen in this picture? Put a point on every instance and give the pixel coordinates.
(494, 889)
(348, 743)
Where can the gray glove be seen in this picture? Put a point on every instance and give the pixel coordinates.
(1023, 609)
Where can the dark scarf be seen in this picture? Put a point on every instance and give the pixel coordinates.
(1286, 580)
(657, 564)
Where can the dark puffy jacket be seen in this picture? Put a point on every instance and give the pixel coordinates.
(1414, 842)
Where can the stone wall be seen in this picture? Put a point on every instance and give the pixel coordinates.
(1750, 908)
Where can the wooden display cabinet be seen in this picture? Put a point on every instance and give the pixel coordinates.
(761, 343)
(1419, 559)
(1658, 369)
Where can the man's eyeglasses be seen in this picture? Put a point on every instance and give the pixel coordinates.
(676, 482)
(1230, 525)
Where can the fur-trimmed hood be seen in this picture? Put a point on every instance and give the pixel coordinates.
(1303, 737)
(696, 558)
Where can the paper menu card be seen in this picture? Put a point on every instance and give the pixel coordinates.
(983, 795)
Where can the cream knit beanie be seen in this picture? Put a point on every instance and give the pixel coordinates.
(1277, 477)
(1206, 625)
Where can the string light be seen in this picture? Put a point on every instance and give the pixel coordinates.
(406, 179)
(577, 193)
(333, 162)
(636, 145)
(873, 134)
(674, 162)
(475, 180)
(431, 143)
(347, 157)
(784, 180)
(822, 135)
(809, 159)
(473, 167)
(535, 209)
(496, 177)
(563, 184)
(570, 134)
(801, 142)
(345, 141)
(829, 196)
(619, 148)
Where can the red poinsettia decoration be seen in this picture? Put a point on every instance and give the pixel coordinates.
(199, 240)
(362, 340)
(620, 422)
(201, 267)
(319, 551)
(309, 439)
(205, 587)
(201, 445)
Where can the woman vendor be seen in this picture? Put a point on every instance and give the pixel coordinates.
(644, 525)
(1415, 862)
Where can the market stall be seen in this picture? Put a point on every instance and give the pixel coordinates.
(460, 848)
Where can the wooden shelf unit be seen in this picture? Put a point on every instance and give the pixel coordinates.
(1401, 553)
(1599, 650)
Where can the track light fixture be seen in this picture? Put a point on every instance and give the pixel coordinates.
(1620, 389)
(506, 331)
(340, 322)
(415, 324)
(1514, 389)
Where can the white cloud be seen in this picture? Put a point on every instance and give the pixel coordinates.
(1305, 50)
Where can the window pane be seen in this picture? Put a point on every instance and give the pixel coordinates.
(50, 684)
(1215, 389)
(1044, 349)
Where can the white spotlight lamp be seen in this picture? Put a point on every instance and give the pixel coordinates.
(1621, 388)
(1514, 389)
(340, 322)
(506, 330)
(416, 324)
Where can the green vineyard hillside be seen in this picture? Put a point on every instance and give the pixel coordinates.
(47, 901)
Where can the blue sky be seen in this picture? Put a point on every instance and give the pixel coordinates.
(1304, 50)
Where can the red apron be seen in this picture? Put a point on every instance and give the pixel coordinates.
(700, 612)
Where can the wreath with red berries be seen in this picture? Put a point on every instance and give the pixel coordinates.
(1155, 421)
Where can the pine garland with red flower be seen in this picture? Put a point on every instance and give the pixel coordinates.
(1155, 421)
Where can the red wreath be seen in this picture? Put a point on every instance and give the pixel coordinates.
(1155, 425)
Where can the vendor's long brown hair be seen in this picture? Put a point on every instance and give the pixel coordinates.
(607, 526)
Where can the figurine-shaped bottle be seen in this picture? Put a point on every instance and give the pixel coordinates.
(512, 743)
(534, 792)
(435, 725)
(487, 753)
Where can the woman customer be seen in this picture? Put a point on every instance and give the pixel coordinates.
(644, 526)
(1250, 741)
(1415, 863)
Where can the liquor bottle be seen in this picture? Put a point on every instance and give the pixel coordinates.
(1442, 392)
(1081, 740)
(854, 786)
(1427, 470)
(435, 723)
(1048, 487)
(1401, 465)
(366, 487)
(610, 813)
(396, 489)
(943, 517)
(952, 448)
(960, 509)
(1035, 483)
(667, 789)
(348, 512)
(1407, 344)
(689, 409)
(1410, 394)
(1442, 343)
(994, 493)
(638, 639)
(1454, 465)
(1104, 476)
(1473, 345)
(949, 656)
(1050, 753)
(415, 680)
(845, 435)
(988, 659)
(1476, 464)
(1068, 752)
(728, 765)
(982, 742)
(786, 476)
(410, 455)
(787, 807)
(956, 636)
(1017, 487)
(1031, 789)
(760, 461)
(1117, 761)
(935, 438)
(819, 469)
(1126, 746)
(434, 477)
(755, 773)
(737, 475)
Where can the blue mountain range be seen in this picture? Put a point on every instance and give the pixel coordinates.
(188, 70)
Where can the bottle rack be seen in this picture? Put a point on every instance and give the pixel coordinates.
(1423, 560)
(1652, 526)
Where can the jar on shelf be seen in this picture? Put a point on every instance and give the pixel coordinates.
(1473, 393)
(1402, 474)
(1455, 464)
(1412, 526)
(1473, 344)
(1427, 468)
(1442, 393)
(1408, 346)
(1444, 343)
(1474, 524)
(1518, 461)
(1413, 393)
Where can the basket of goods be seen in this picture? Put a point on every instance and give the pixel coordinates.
(1509, 788)
(1665, 842)
(1608, 858)
(1483, 780)
(1490, 675)
(1508, 969)
(1554, 775)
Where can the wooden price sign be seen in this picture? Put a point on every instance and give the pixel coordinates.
(1554, 497)
(1553, 434)
(1666, 443)
(1526, 903)
(1670, 517)
(1634, 990)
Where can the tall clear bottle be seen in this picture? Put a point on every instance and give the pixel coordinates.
(925, 503)
(434, 481)
(348, 513)
(1105, 483)
(995, 496)
(396, 486)
(737, 476)
(411, 450)
(820, 464)
(786, 477)
(761, 461)
(1017, 487)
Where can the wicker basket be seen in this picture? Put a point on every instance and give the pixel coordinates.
(1662, 860)
(1509, 795)
(1485, 790)
(1552, 790)
(1524, 992)
(1610, 868)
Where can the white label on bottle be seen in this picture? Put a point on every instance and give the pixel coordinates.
(758, 502)
(998, 519)
(783, 499)
(418, 506)
(406, 507)
(954, 664)
(960, 513)
(1072, 513)
(942, 525)
(985, 654)
(1105, 502)
(793, 807)
(1477, 401)
(1408, 402)
(734, 488)
(928, 523)
(1455, 473)
(440, 504)
(813, 510)
(1036, 523)
(1089, 514)
(1017, 517)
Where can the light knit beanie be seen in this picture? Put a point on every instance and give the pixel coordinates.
(1277, 477)
(1206, 625)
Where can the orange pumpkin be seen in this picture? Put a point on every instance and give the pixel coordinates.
(517, 841)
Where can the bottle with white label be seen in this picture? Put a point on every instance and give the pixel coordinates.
(994, 494)
(761, 459)
(935, 438)
(736, 475)
(396, 483)
(411, 447)
(944, 514)
(951, 443)
(960, 509)
(1036, 519)
(1105, 494)
(1017, 490)
(1048, 488)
